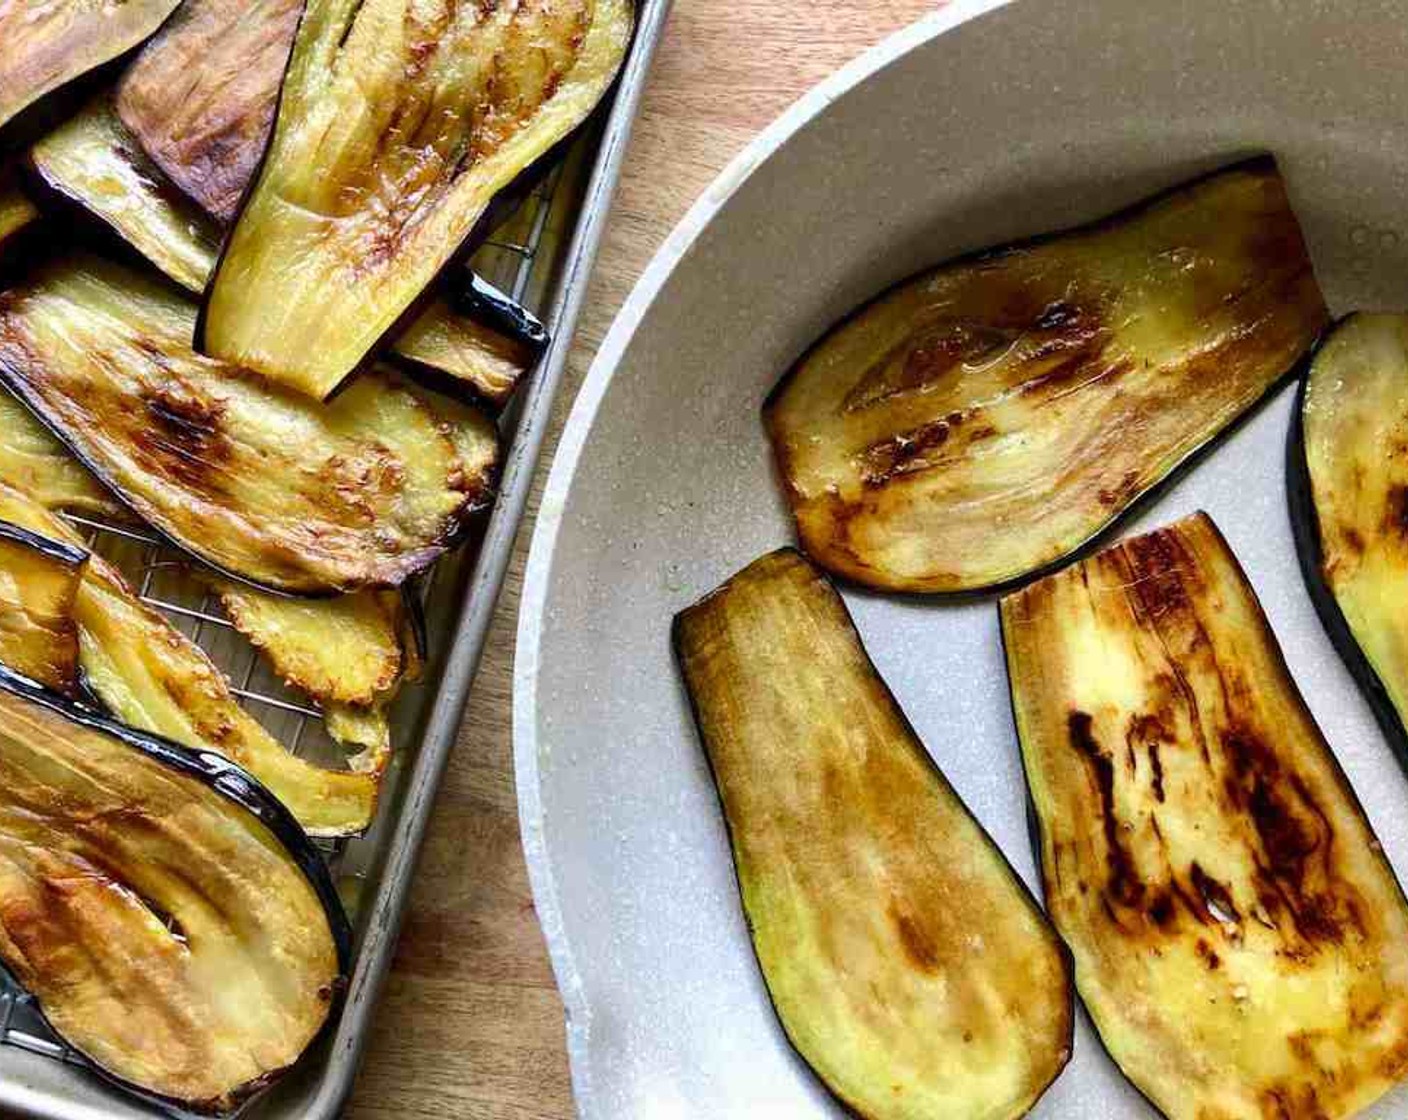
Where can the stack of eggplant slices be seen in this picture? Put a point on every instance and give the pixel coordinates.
(234, 309)
(1212, 886)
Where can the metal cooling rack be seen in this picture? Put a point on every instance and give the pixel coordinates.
(516, 259)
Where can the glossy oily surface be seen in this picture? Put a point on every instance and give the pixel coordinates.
(167, 933)
(1240, 940)
(986, 419)
(907, 963)
(397, 124)
(260, 483)
(39, 581)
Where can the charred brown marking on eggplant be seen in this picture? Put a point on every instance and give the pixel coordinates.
(864, 879)
(39, 580)
(1043, 389)
(261, 484)
(1230, 903)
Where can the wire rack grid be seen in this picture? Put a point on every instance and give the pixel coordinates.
(512, 258)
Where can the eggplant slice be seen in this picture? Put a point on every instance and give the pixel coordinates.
(174, 924)
(986, 419)
(864, 878)
(48, 43)
(1348, 481)
(397, 125)
(200, 96)
(39, 580)
(151, 676)
(94, 161)
(17, 212)
(261, 484)
(1240, 940)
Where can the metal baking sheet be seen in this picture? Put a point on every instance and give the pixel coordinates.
(982, 124)
(543, 256)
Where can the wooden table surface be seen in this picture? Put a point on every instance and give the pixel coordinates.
(470, 1025)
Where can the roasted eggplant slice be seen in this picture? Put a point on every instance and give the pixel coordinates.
(48, 43)
(174, 924)
(987, 419)
(150, 675)
(1348, 482)
(345, 649)
(37, 464)
(1239, 938)
(39, 580)
(865, 881)
(396, 126)
(93, 161)
(259, 483)
(200, 96)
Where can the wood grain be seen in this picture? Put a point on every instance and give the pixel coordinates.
(470, 1025)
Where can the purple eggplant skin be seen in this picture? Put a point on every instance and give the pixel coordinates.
(494, 308)
(236, 785)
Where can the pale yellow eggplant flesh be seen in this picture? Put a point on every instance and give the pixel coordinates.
(17, 212)
(1240, 940)
(152, 677)
(397, 125)
(39, 579)
(906, 961)
(172, 922)
(261, 484)
(95, 162)
(48, 43)
(985, 420)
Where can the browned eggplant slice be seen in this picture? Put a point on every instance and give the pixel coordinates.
(174, 924)
(200, 96)
(864, 878)
(397, 125)
(39, 580)
(1349, 504)
(151, 676)
(48, 43)
(986, 419)
(1239, 938)
(94, 161)
(259, 483)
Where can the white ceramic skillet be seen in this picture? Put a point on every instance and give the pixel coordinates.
(979, 125)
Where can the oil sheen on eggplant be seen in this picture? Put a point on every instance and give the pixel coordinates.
(174, 925)
(1240, 940)
(984, 420)
(1349, 491)
(261, 484)
(48, 43)
(397, 125)
(39, 581)
(151, 676)
(906, 961)
(95, 162)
